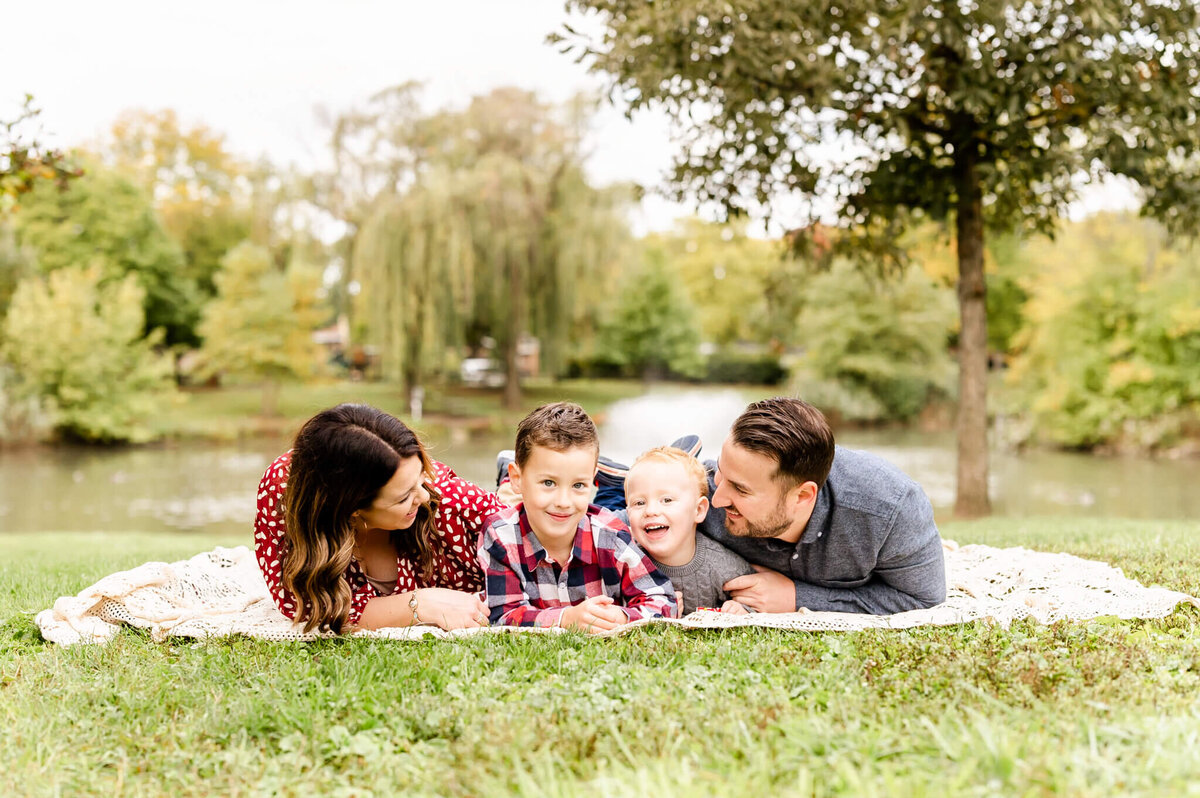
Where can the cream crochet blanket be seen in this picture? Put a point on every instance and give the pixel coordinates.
(221, 592)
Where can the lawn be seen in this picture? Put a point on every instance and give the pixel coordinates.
(1093, 708)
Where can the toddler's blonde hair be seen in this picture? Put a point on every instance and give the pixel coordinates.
(669, 454)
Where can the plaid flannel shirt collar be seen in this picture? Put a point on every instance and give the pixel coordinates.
(583, 550)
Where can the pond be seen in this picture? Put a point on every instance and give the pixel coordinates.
(209, 487)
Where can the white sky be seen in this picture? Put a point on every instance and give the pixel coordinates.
(256, 70)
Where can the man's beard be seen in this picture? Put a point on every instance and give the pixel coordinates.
(774, 526)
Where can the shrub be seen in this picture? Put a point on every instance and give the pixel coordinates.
(1111, 353)
(76, 345)
(728, 367)
(882, 343)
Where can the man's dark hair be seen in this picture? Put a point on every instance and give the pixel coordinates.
(558, 427)
(791, 432)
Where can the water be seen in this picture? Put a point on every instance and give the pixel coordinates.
(211, 488)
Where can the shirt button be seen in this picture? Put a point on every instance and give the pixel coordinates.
(795, 556)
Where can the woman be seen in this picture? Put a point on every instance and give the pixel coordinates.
(356, 527)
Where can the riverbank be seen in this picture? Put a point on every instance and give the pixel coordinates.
(1096, 708)
(229, 413)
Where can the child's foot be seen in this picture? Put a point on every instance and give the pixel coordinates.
(502, 460)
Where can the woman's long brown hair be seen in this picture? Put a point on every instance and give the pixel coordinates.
(341, 459)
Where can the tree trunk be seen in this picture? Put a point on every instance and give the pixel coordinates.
(409, 381)
(512, 379)
(413, 369)
(971, 500)
(270, 398)
(516, 313)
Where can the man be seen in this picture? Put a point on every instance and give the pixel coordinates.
(832, 528)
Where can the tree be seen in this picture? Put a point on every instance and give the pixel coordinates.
(743, 288)
(497, 234)
(16, 263)
(104, 219)
(1110, 355)
(543, 238)
(986, 112)
(260, 324)
(416, 256)
(76, 342)
(24, 161)
(376, 150)
(875, 349)
(201, 191)
(653, 330)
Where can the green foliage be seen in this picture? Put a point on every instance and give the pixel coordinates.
(921, 93)
(1111, 353)
(731, 367)
(1073, 708)
(653, 331)
(16, 263)
(24, 162)
(743, 289)
(76, 343)
(874, 350)
(930, 246)
(260, 324)
(987, 113)
(414, 256)
(1006, 273)
(196, 184)
(498, 234)
(104, 219)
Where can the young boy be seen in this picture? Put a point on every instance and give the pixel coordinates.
(666, 495)
(556, 559)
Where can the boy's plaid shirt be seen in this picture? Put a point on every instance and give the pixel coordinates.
(526, 588)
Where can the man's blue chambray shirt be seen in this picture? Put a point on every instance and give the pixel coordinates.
(871, 545)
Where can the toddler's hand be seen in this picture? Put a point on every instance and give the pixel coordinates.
(597, 614)
(734, 608)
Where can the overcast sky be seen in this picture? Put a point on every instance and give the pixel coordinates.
(256, 69)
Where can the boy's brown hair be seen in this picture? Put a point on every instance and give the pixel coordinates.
(669, 454)
(559, 426)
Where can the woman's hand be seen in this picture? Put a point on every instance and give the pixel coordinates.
(451, 609)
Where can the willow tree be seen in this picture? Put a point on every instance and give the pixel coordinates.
(989, 113)
(414, 256)
(499, 234)
(544, 238)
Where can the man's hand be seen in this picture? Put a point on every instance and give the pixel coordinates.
(732, 607)
(765, 591)
(597, 614)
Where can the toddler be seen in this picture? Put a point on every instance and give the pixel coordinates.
(666, 495)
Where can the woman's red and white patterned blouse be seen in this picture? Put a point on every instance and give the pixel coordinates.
(461, 518)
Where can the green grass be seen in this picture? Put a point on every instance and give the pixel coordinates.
(232, 412)
(1093, 708)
